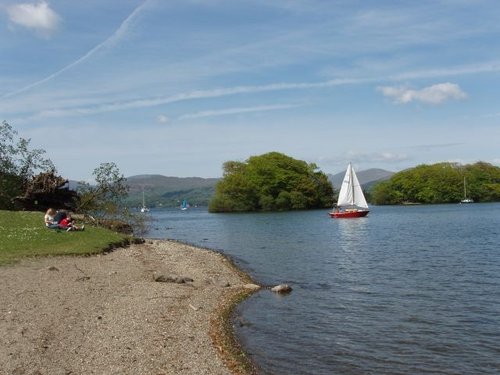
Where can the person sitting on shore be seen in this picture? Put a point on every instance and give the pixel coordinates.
(60, 215)
(67, 223)
(49, 218)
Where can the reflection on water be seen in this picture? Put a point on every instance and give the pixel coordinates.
(352, 231)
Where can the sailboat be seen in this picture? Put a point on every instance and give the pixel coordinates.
(184, 205)
(144, 208)
(466, 200)
(351, 202)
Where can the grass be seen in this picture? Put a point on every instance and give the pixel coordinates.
(23, 234)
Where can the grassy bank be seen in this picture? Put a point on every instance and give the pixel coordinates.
(23, 234)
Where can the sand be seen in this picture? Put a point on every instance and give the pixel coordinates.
(106, 314)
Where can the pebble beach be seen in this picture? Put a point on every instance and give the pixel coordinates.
(155, 308)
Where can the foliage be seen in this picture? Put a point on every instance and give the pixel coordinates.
(440, 183)
(103, 198)
(271, 181)
(103, 202)
(24, 234)
(18, 165)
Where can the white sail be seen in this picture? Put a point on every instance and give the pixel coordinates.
(144, 208)
(351, 194)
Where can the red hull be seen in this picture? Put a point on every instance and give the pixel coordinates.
(348, 214)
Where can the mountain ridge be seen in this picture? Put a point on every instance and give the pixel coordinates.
(169, 191)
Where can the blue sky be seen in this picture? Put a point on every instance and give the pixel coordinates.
(179, 87)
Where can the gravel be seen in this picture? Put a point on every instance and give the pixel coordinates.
(107, 315)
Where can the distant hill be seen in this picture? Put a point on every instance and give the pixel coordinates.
(367, 178)
(163, 191)
(169, 191)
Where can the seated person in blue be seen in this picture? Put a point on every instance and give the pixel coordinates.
(59, 216)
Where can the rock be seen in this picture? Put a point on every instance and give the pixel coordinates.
(172, 279)
(195, 308)
(242, 322)
(251, 286)
(282, 288)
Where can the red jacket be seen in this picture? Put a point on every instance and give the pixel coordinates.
(65, 223)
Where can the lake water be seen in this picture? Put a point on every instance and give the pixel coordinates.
(406, 290)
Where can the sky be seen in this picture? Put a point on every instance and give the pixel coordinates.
(177, 88)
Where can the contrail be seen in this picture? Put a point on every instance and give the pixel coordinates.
(117, 35)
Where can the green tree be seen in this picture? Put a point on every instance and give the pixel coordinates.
(439, 183)
(234, 193)
(271, 181)
(103, 199)
(18, 165)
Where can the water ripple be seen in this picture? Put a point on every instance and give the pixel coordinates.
(406, 290)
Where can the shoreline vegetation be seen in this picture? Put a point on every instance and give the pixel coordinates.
(160, 307)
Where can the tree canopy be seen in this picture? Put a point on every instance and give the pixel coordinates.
(105, 196)
(19, 164)
(270, 182)
(440, 183)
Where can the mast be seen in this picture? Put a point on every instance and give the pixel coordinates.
(352, 184)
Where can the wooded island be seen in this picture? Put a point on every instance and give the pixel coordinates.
(271, 182)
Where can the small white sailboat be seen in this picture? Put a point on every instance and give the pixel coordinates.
(466, 199)
(351, 202)
(144, 208)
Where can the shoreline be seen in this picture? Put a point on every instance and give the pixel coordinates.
(106, 313)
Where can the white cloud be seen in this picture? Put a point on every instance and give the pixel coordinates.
(113, 106)
(162, 119)
(435, 94)
(389, 156)
(232, 111)
(38, 17)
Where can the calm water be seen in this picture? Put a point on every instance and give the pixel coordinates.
(406, 290)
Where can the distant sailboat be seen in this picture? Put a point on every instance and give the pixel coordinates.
(351, 202)
(466, 199)
(144, 208)
(184, 205)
